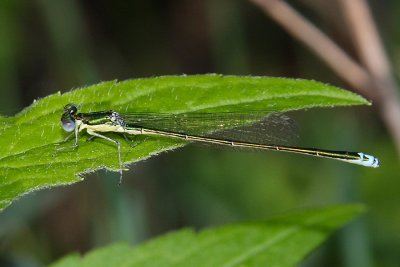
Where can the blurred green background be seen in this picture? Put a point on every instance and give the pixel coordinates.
(48, 46)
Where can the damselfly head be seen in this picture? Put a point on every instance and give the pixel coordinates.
(68, 117)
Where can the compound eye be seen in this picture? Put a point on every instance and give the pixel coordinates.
(68, 124)
(73, 109)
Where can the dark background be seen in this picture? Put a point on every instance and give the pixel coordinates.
(49, 46)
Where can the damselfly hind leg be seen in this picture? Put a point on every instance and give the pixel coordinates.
(134, 143)
(94, 134)
(90, 138)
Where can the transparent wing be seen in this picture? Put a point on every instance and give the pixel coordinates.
(274, 129)
(257, 127)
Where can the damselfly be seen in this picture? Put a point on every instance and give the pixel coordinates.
(178, 126)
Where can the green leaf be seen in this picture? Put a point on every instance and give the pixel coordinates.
(281, 241)
(29, 154)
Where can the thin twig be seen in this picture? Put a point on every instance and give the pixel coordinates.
(318, 42)
(372, 54)
(366, 36)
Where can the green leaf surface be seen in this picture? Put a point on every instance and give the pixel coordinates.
(281, 241)
(30, 160)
